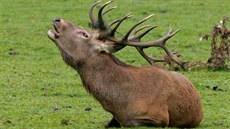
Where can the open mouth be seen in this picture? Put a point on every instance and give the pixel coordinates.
(55, 28)
(53, 34)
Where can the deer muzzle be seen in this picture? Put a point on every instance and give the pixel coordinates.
(53, 35)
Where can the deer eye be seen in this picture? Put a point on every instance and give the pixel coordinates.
(85, 35)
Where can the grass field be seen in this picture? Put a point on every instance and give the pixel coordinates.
(38, 90)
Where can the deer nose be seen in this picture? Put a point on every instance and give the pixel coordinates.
(57, 20)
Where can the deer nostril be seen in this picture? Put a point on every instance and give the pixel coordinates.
(57, 20)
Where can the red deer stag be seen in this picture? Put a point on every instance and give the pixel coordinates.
(135, 96)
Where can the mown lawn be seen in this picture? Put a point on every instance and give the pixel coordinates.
(38, 90)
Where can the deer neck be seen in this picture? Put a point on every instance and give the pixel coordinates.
(102, 76)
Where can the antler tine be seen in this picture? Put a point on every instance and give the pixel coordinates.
(110, 9)
(167, 50)
(143, 27)
(143, 33)
(173, 56)
(125, 38)
(148, 58)
(91, 16)
(114, 22)
(157, 43)
(161, 43)
(151, 60)
(169, 34)
(112, 32)
(101, 22)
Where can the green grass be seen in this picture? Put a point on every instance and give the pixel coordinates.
(37, 89)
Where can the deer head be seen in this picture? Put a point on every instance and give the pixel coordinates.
(74, 39)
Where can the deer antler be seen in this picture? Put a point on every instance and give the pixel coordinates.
(108, 33)
(135, 41)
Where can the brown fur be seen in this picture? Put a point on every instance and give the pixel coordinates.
(135, 96)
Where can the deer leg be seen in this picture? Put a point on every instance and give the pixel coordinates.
(146, 123)
(113, 123)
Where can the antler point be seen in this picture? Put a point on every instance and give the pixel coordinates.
(129, 15)
(109, 2)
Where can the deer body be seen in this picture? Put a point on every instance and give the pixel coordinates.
(135, 96)
(147, 93)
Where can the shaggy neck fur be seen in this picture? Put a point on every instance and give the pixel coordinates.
(97, 72)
